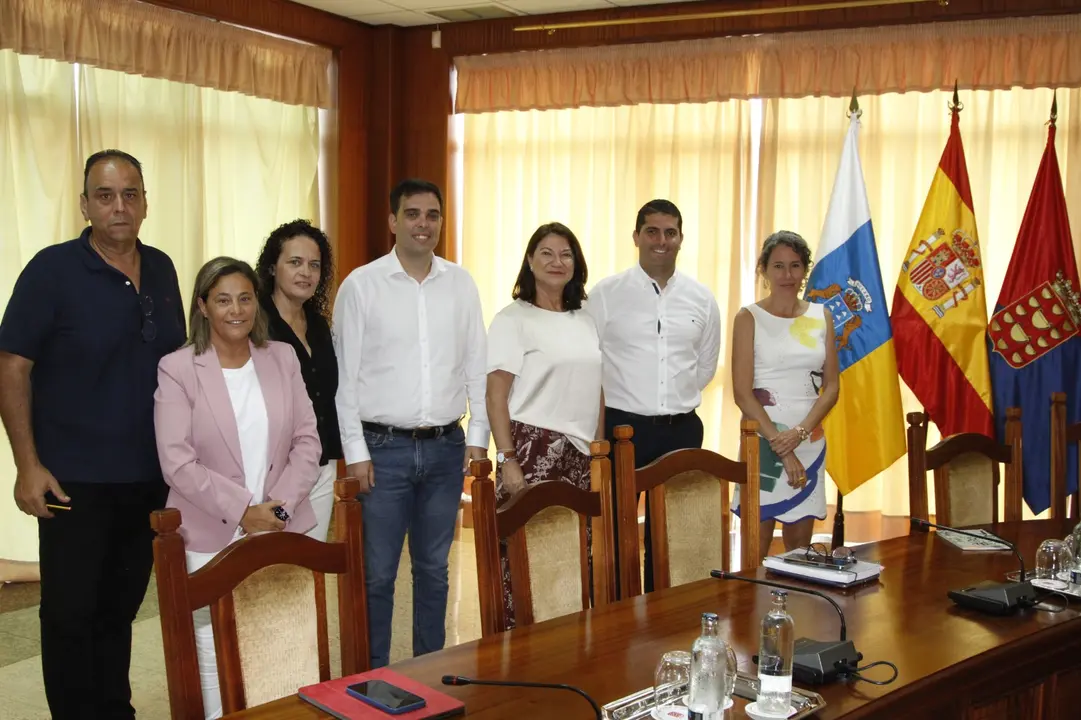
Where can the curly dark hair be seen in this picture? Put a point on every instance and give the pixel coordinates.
(789, 239)
(574, 292)
(272, 250)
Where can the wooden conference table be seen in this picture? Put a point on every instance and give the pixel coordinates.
(953, 663)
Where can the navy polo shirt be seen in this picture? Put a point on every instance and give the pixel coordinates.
(84, 326)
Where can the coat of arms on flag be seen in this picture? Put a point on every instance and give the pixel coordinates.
(845, 305)
(938, 268)
(1036, 323)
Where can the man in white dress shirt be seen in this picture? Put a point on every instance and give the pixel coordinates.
(409, 336)
(660, 334)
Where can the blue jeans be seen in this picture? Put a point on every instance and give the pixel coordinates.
(418, 486)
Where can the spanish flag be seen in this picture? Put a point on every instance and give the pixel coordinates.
(939, 312)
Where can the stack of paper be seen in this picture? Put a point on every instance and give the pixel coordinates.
(789, 563)
(986, 541)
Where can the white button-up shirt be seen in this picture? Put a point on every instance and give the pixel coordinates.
(660, 346)
(409, 353)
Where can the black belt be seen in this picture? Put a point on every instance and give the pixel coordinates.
(656, 419)
(423, 433)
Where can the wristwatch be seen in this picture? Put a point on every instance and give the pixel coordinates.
(502, 456)
(279, 512)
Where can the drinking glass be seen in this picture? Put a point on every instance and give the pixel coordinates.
(730, 677)
(671, 683)
(1053, 563)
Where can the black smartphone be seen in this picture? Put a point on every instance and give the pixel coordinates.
(388, 698)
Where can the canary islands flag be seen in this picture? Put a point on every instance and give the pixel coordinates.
(865, 431)
(1034, 337)
(939, 312)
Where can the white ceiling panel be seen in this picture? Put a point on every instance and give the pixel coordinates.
(411, 12)
(539, 7)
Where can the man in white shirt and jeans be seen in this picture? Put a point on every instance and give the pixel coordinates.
(660, 334)
(409, 335)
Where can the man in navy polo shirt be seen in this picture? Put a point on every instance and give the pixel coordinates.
(80, 341)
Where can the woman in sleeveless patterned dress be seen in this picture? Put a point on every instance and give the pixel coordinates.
(785, 376)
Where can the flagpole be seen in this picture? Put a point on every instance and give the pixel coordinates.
(839, 514)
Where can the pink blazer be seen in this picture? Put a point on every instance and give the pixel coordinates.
(199, 445)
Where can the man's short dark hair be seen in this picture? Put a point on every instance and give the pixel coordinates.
(409, 188)
(110, 154)
(664, 207)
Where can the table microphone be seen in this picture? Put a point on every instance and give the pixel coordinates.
(989, 597)
(459, 680)
(814, 662)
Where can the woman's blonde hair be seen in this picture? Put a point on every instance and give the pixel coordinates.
(209, 275)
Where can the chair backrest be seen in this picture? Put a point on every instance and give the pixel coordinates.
(267, 599)
(544, 526)
(966, 472)
(689, 504)
(1062, 435)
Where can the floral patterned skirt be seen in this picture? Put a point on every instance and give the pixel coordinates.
(543, 455)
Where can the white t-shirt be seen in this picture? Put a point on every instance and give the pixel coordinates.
(556, 360)
(249, 409)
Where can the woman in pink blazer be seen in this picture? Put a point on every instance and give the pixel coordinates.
(236, 432)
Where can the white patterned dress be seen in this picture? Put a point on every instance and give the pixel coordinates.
(789, 354)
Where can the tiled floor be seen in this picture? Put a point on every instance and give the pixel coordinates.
(22, 695)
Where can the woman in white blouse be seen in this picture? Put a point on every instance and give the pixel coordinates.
(544, 374)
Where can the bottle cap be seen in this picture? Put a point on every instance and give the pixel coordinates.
(712, 617)
(779, 593)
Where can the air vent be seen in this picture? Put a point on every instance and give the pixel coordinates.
(481, 12)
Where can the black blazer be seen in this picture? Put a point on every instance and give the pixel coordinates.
(319, 370)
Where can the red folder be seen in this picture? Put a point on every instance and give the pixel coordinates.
(332, 698)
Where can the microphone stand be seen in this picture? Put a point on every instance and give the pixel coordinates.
(989, 597)
(814, 662)
(459, 680)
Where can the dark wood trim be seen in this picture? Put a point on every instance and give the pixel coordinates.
(498, 36)
(281, 17)
(227, 652)
(321, 631)
(486, 542)
(1062, 435)
(521, 508)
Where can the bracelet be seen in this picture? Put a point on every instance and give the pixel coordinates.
(803, 434)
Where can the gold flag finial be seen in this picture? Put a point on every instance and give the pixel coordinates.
(1054, 108)
(956, 105)
(854, 106)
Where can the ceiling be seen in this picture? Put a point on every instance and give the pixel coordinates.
(432, 12)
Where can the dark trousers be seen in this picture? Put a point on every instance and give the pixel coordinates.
(95, 565)
(653, 437)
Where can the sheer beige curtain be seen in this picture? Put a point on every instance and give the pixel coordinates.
(39, 203)
(901, 140)
(591, 169)
(222, 169)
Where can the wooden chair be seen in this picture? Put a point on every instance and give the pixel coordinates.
(545, 529)
(966, 471)
(267, 601)
(689, 507)
(1062, 435)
